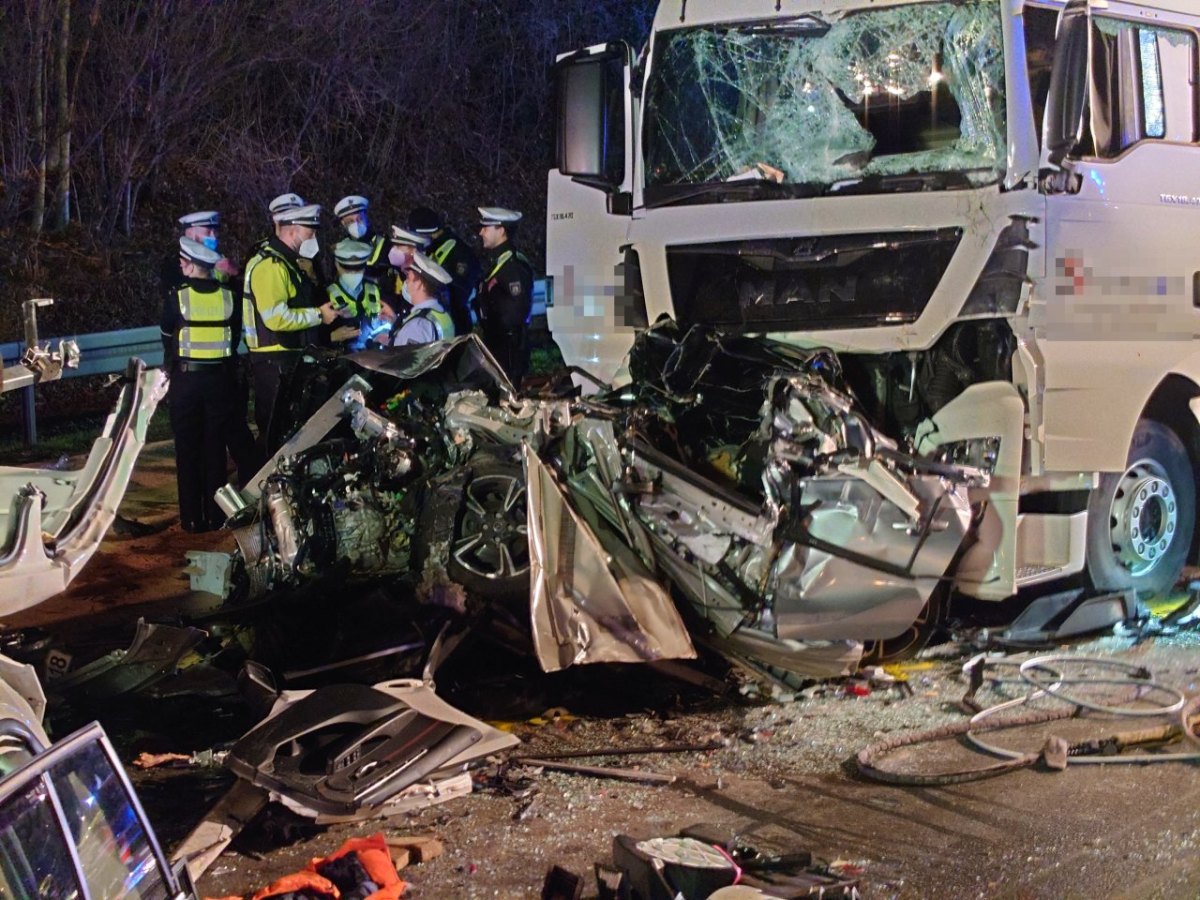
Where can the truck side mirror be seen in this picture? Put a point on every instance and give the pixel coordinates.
(592, 100)
(1062, 128)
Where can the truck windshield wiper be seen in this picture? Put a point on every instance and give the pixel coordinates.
(722, 191)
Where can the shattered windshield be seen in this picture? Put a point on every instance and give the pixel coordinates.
(902, 98)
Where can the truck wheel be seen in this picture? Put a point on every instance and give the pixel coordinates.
(913, 639)
(1141, 521)
(489, 553)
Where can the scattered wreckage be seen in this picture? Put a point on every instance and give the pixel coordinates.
(736, 474)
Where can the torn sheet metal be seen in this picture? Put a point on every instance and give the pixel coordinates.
(55, 520)
(349, 751)
(154, 654)
(588, 605)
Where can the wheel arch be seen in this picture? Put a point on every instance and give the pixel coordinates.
(1169, 405)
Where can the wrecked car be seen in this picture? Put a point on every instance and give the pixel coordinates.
(734, 494)
(71, 824)
(56, 519)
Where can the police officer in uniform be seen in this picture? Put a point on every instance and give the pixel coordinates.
(505, 296)
(351, 211)
(453, 254)
(203, 227)
(428, 321)
(354, 295)
(201, 326)
(280, 311)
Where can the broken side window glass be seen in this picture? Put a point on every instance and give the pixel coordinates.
(794, 107)
(1128, 102)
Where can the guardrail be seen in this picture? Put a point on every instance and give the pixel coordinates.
(107, 352)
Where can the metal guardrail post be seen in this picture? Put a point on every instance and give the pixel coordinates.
(28, 405)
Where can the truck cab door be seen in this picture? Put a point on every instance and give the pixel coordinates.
(590, 312)
(1120, 167)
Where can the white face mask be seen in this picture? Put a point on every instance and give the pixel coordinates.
(404, 293)
(308, 248)
(399, 258)
(356, 229)
(350, 281)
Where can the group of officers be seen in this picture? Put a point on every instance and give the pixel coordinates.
(419, 283)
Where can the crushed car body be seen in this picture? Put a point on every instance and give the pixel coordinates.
(56, 519)
(733, 494)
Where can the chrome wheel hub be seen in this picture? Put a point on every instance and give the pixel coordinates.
(1143, 518)
(495, 537)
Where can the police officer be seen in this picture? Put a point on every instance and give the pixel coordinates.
(354, 295)
(453, 254)
(505, 296)
(280, 311)
(351, 211)
(201, 327)
(428, 321)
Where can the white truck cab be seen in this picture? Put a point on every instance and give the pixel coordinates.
(990, 210)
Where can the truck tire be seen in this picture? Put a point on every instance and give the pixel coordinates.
(1141, 521)
(489, 550)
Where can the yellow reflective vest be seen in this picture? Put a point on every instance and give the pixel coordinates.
(206, 331)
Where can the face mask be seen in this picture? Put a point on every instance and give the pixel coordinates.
(356, 229)
(404, 293)
(350, 281)
(308, 249)
(209, 241)
(399, 258)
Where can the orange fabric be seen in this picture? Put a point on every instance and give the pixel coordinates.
(297, 881)
(375, 857)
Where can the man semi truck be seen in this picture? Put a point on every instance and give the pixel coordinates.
(989, 209)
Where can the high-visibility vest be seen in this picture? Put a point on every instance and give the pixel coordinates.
(259, 336)
(368, 304)
(442, 323)
(206, 331)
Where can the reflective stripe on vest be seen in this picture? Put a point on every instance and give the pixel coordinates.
(440, 254)
(368, 304)
(207, 316)
(379, 248)
(504, 257)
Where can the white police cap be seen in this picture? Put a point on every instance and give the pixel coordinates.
(209, 218)
(349, 205)
(409, 238)
(196, 252)
(427, 266)
(285, 202)
(302, 215)
(498, 215)
(351, 254)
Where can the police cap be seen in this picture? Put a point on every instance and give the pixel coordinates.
(302, 215)
(351, 254)
(284, 202)
(209, 218)
(424, 220)
(196, 252)
(429, 268)
(407, 238)
(349, 205)
(498, 215)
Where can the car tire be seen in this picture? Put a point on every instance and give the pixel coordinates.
(489, 549)
(1141, 521)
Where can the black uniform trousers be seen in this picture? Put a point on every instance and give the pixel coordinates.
(269, 368)
(201, 404)
(510, 346)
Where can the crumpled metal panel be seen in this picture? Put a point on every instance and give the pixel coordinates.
(56, 520)
(823, 596)
(591, 601)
